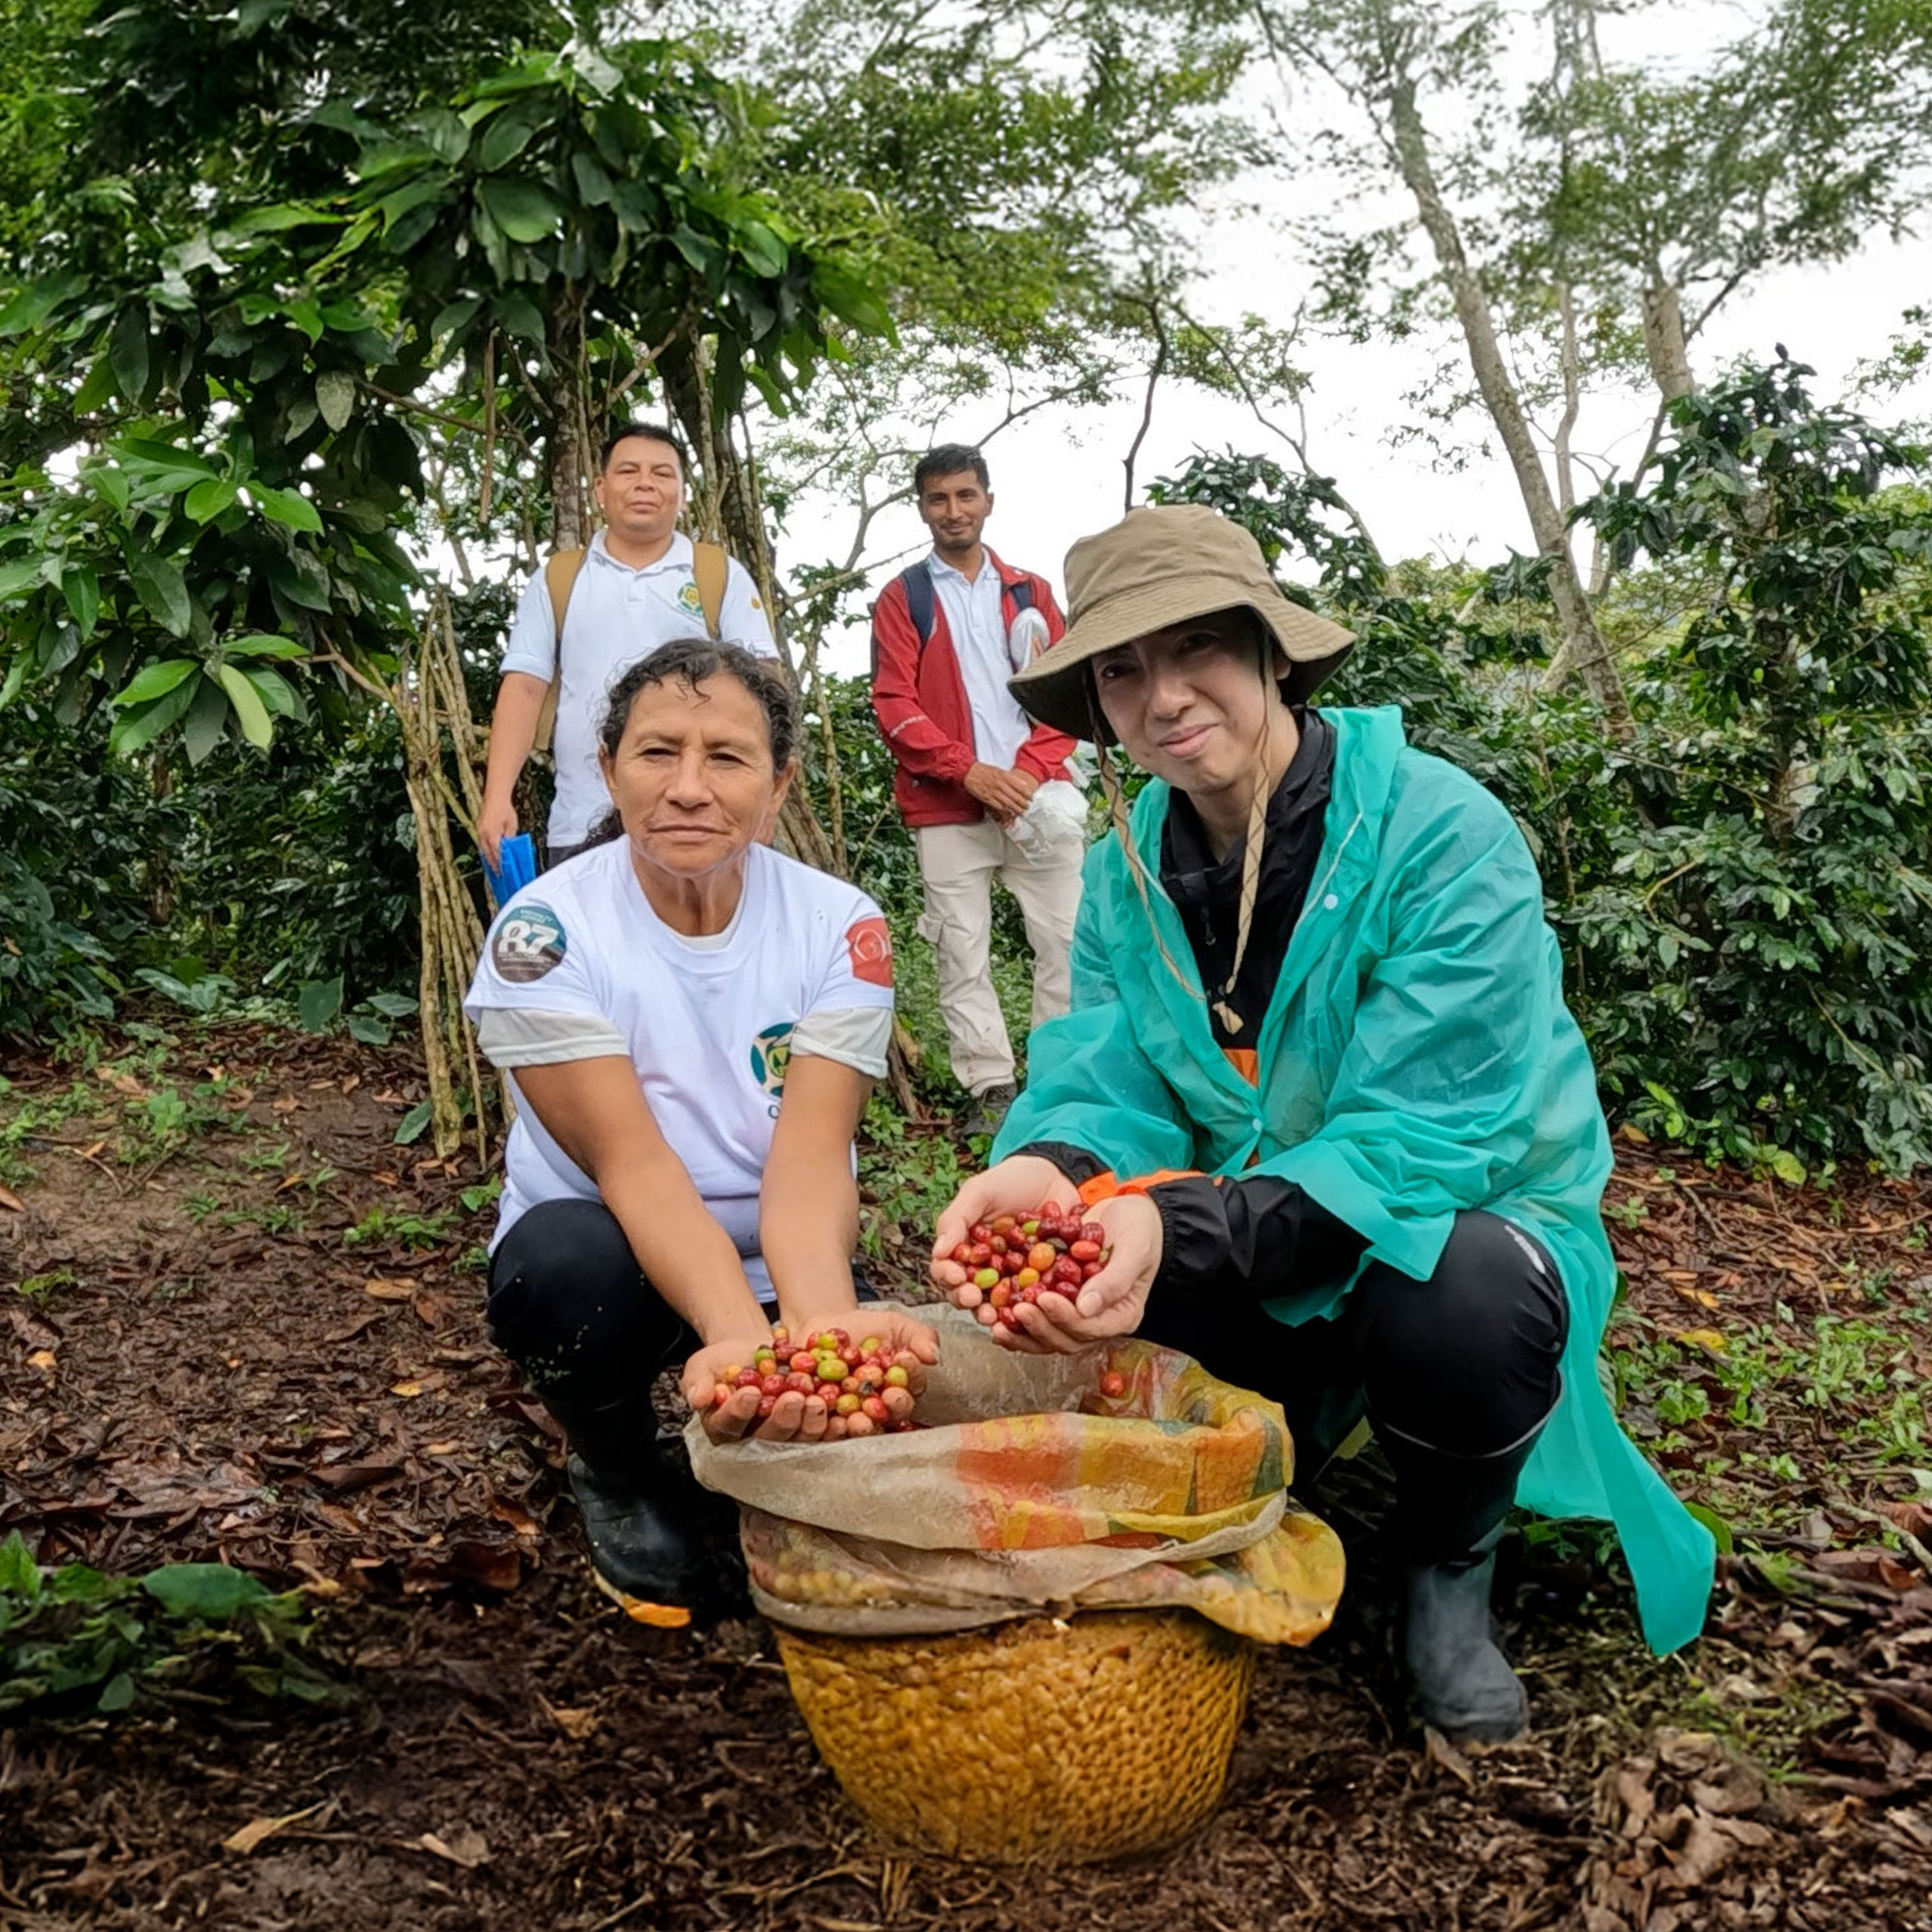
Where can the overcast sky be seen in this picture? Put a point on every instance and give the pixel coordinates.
(1059, 476)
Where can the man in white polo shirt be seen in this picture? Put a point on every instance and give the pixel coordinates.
(637, 589)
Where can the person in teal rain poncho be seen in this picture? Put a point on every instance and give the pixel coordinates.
(1320, 1082)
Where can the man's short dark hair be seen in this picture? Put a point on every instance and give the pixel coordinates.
(948, 459)
(653, 432)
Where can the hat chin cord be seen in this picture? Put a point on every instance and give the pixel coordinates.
(1250, 864)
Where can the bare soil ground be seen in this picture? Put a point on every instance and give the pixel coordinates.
(237, 1321)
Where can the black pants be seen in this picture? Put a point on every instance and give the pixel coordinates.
(1465, 1361)
(571, 1307)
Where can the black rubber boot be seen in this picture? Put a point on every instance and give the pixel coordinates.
(643, 1513)
(1447, 1521)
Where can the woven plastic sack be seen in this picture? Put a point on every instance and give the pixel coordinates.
(1028, 1490)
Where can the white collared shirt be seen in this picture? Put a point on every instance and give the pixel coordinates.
(617, 615)
(977, 621)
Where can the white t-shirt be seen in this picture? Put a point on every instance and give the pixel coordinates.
(617, 615)
(708, 1024)
(977, 621)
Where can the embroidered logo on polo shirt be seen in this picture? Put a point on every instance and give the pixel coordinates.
(771, 1054)
(688, 596)
(528, 944)
(868, 945)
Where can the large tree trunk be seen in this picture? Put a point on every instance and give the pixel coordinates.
(1582, 640)
(1664, 341)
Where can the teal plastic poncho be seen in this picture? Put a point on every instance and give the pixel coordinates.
(1416, 1059)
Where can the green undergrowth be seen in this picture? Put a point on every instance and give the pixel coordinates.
(77, 1643)
(1766, 1423)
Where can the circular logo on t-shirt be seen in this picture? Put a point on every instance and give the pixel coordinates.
(771, 1054)
(868, 947)
(689, 598)
(529, 943)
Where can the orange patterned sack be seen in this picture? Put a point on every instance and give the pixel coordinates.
(1030, 1491)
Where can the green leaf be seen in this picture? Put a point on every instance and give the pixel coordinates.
(448, 134)
(518, 314)
(258, 644)
(317, 1003)
(289, 508)
(256, 726)
(392, 1006)
(522, 210)
(118, 1693)
(37, 301)
(454, 315)
(127, 350)
(1787, 1166)
(283, 215)
(136, 729)
(409, 1129)
(370, 1028)
(154, 681)
(849, 298)
(207, 722)
(208, 499)
(159, 584)
(504, 139)
(761, 248)
(210, 1592)
(593, 185)
(77, 1582)
(1716, 1524)
(335, 396)
(20, 1575)
(23, 574)
(275, 691)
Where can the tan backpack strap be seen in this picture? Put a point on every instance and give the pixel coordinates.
(560, 576)
(711, 570)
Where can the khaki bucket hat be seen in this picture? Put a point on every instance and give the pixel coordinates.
(1156, 567)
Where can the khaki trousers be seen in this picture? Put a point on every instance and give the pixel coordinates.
(957, 863)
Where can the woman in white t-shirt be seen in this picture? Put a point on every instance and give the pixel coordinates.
(690, 1024)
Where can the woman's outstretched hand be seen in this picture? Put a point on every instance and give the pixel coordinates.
(796, 1417)
(1017, 1186)
(1113, 1303)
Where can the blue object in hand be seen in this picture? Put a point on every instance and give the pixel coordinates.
(518, 869)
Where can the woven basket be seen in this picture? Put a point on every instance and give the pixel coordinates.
(1042, 1742)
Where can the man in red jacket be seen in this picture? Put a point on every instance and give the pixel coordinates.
(984, 789)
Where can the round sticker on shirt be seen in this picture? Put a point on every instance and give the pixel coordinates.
(868, 943)
(771, 1054)
(689, 598)
(528, 944)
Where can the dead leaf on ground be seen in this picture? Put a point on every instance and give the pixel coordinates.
(286, 1104)
(1439, 1751)
(398, 1287)
(9, 1199)
(576, 1724)
(342, 1477)
(1704, 1338)
(45, 1360)
(464, 1846)
(1915, 1518)
(258, 1831)
(122, 1083)
(519, 1519)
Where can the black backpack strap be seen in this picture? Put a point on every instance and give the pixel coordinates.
(1021, 591)
(918, 583)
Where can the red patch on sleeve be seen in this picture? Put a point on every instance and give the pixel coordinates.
(868, 943)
